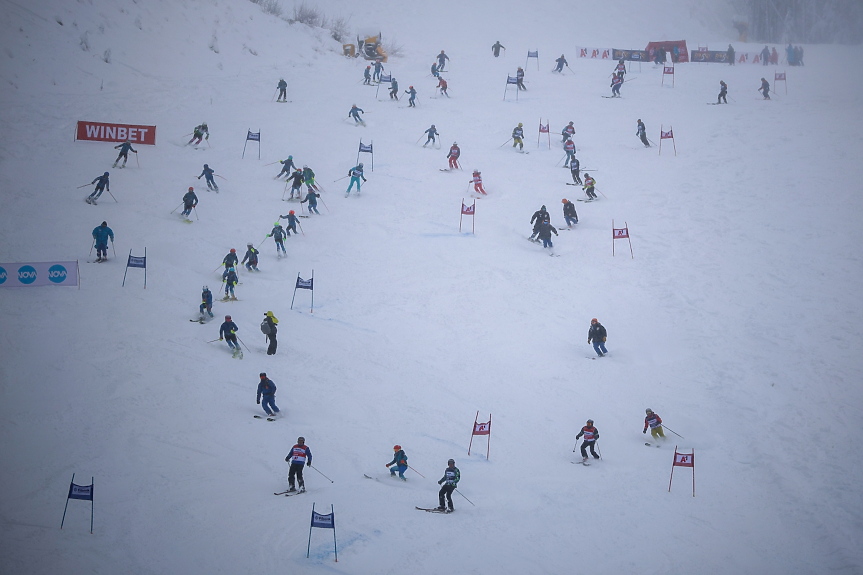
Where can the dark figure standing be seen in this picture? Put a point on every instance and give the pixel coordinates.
(496, 48)
(539, 216)
(591, 435)
(729, 55)
(271, 322)
(574, 169)
(283, 93)
(450, 479)
(597, 335)
(519, 76)
(299, 456)
(101, 234)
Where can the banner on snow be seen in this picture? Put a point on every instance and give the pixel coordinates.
(631, 55)
(716, 56)
(32, 274)
(594, 53)
(104, 132)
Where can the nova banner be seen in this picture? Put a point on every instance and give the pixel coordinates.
(102, 132)
(30, 274)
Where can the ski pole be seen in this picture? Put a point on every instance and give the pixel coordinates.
(274, 95)
(505, 143)
(285, 192)
(91, 248)
(184, 135)
(244, 343)
(316, 469)
(417, 472)
(560, 160)
(418, 139)
(196, 213)
(462, 494)
(218, 176)
(112, 195)
(651, 141)
(672, 431)
(271, 163)
(600, 191)
(84, 186)
(175, 209)
(342, 178)
(212, 340)
(599, 450)
(115, 255)
(262, 242)
(301, 227)
(136, 160)
(325, 204)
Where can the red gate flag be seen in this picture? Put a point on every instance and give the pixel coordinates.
(544, 130)
(620, 234)
(103, 132)
(481, 429)
(468, 211)
(669, 135)
(683, 460)
(668, 71)
(780, 77)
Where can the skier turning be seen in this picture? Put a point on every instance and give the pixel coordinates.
(208, 173)
(496, 48)
(312, 198)
(597, 335)
(124, 148)
(441, 60)
(299, 456)
(519, 78)
(102, 183)
(198, 133)
(394, 89)
(190, 200)
(517, 136)
(296, 180)
(765, 89)
(267, 392)
(589, 184)
(413, 97)
(654, 422)
(355, 173)
(367, 76)
(292, 222)
(250, 259)
(229, 261)
(567, 132)
(574, 169)
(723, 92)
(355, 114)
(539, 216)
(283, 90)
(544, 233)
(432, 132)
(477, 182)
(378, 69)
(309, 178)
(399, 462)
(641, 132)
(454, 153)
(569, 148)
(228, 332)
(101, 234)
(230, 280)
(450, 479)
(569, 213)
(206, 302)
(443, 86)
(278, 235)
(591, 435)
(561, 62)
(287, 166)
(620, 69)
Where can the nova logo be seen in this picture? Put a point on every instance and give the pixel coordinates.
(57, 274)
(2, 276)
(26, 274)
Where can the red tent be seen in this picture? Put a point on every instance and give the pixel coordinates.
(669, 49)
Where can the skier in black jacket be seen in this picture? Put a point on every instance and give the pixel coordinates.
(569, 213)
(597, 335)
(539, 216)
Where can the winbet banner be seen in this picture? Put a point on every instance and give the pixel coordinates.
(30, 274)
(102, 132)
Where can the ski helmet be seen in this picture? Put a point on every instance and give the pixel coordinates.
(227, 318)
(570, 123)
(233, 251)
(563, 201)
(442, 53)
(204, 124)
(639, 120)
(455, 143)
(191, 189)
(396, 447)
(648, 411)
(104, 224)
(290, 157)
(520, 124)
(106, 173)
(621, 60)
(451, 461)
(232, 269)
(269, 314)
(432, 125)
(590, 422)
(305, 166)
(411, 87)
(206, 166)
(277, 224)
(291, 212)
(593, 321)
(263, 375)
(360, 164)
(205, 288)
(542, 208)
(301, 439)
(249, 245)
(586, 175)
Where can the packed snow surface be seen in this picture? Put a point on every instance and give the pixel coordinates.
(738, 320)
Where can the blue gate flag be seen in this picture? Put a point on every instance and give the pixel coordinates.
(305, 284)
(84, 492)
(327, 521)
(511, 79)
(253, 137)
(308, 284)
(367, 148)
(386, 78)
(136, 262)
(534, 54)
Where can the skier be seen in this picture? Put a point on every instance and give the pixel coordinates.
(519, 77)
(789, 51)
(517, 135)
(296, 180)
(620, 69)
(270, 322)
(190, 200)
(675, 54)
(477, 183)
(655, 422)
(355, 173)
(591, 435)
(616, 83)
(252, 257)
(567, 132)
(729, 55)
(434, 71)
(539, 216)
(443, 86)
(299, 456)
(589, 184)
(774, 56)
(101, 234)
(278, 234)
(206, 302)
(765, 56)
(283, 90)
(230, 260)
(723, 92)
(208, 174)
(394, 89)
(102, 184)
(561, 62)
(641, 132)
(597, 335)
(355, 113)
(544, 233)
(228, 332)
(412, 99)
(124, 148)
(267, 391)
(312, 198)
(569, 213)
(441, 60)
(287, 166)
(378, 69)
(569, 148)
(450, 479)
(496, 48)
(292, 222)
(764, 89)
(198, 133)
(367, 76)
(230, 280)
(309, 178)
(454, 153)
(399, 463)
(574, 169)
(431, 132)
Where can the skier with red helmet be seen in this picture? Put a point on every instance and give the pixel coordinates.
(292, 222)
(190, 200)
(228, 332)
(230, 261)
(399, 462)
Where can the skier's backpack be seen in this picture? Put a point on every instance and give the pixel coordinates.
(265, 327)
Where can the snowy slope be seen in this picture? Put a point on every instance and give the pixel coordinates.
(737, 321)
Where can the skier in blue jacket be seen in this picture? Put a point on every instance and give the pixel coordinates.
(278, 233)
(367, 76)
(441, 60)
(561, 62)
(399, 462)
(355, 173)
(267, 391)
(251, 257)
(124, 148)
(432, 132)
(190, 200)
(206, 302)
(292, 222)
(312, 198)
(228, 332)
(102, 184)
(208, 172)
(101, 235)
(413, 97)
(355, 114)
(287, 166)
(378, 69)
(230, 280)
(434, 71)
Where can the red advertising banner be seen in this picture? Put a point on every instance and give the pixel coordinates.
(103, 132)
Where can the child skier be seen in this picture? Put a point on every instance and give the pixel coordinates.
(569, 148)
(378, 69)
(312, 198)
(124, 148)
(229, 261)
(355, 114)
(399, 462)
(228, 332)
(519, 77)
(287, 166)
(355, 173)
(101, 234)
(413, 97)
(641, 132)
(544, 234)
(296, 180)
(268, 326)
(367, 76)
(452, 156)
(539, 216)
(190, 200)
(250, 259)
(299, 456)
(283, 87)
(267, 391)
(450, 479)
(309, 178)
(765, 89)
(443, 86)
(620, 69)
(292, 222)
(441, 60)
(517, 136)
(567, 132)
(561, 62)
(655, 422)
(394, 89)
(198, 134)
(230, 281)
(102, 184)
(432, 132)
(597, 334)
(477, 183)
(206, 302)
(208, 174)
(616, 83)
(569, 213)
(574, 169)
(434, 71)
(589, 183)
(591, 435)
(278, 234)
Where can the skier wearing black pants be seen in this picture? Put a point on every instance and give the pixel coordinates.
(299, 456)
(575, 170)
(591, 435)
(271, 321)
(450, 479)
